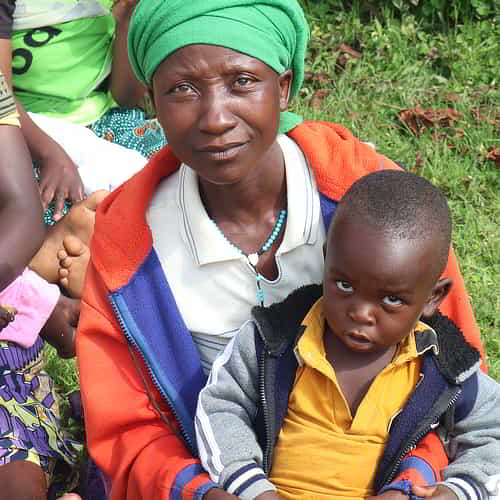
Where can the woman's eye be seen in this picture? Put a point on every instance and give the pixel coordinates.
(182, 88)
(392, 300)
(243, 81)
(344, 286)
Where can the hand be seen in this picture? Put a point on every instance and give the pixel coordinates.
(122, 9)
(59, 179)
(7, 315)
(438, 492)
(269, 495)
(218, 494)
(389, 495)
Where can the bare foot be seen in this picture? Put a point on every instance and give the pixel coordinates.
(78, 222)
(73, 262)
(60, 328)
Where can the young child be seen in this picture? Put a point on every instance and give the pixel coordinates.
(324, 394)
(31, 309)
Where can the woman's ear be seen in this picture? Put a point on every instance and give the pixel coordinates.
(285, 83)
(439, 292)
(149, 104)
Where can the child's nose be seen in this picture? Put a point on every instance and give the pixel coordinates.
(362, 312)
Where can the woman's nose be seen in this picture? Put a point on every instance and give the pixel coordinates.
(216, 114)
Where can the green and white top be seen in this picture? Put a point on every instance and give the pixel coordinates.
(62, 52)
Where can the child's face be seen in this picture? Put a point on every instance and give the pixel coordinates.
(376, 287)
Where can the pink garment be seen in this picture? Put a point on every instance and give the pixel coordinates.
(35, 299)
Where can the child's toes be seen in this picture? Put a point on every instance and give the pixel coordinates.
(74, 246)
(61, 254)
(65, 263)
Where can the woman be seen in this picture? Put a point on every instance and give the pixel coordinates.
(68, 59)
(230, 215)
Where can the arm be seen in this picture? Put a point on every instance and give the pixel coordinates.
(20, 208)
(126, 89)
(59, 177)
(142, 455)
(474, 444)
(227, 407)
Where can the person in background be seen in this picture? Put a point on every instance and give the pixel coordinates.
(68, 59)
(32, 444)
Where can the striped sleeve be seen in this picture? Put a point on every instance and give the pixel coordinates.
(8, 110)
(227, 444)
(466, 488)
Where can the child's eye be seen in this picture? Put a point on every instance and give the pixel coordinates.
(392, 300)
(344, 286)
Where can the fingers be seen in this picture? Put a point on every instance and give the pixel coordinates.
(423, 491)
(75, 189)
(7, 315)
(47, 190)
(59, 205)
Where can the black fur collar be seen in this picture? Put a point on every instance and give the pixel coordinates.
(280, 324)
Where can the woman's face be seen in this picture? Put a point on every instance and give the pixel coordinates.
(220, 110)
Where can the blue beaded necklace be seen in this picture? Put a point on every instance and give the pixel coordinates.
(253, 258)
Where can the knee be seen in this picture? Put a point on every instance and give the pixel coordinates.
(22, 480)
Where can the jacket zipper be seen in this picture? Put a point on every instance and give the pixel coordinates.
(417, 438)
(265, 411)
(153, 378)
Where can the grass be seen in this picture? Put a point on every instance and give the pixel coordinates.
(402, 64)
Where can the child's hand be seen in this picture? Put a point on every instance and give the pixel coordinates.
(218, 494)
(389, 495)
(7, 315)
(438, 492)
(269, 495)
(59, 179)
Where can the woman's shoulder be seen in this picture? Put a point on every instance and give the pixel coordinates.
(337, 157)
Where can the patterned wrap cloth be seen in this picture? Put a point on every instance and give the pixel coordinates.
(29, 415)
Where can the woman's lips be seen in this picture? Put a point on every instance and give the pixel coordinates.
(222, 153)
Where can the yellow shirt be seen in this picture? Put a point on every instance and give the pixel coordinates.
(322, 451)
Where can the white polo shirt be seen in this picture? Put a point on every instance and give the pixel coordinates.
(213, 284)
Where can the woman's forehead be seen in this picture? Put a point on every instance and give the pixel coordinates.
(210, 59)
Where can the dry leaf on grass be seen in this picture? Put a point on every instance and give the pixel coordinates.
(345, 53)
(317, 99)
(418, 119)
(320, 76)
(451, 97)
(419, 161)
(494, 155)
(486, 114)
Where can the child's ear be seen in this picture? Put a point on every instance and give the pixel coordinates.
(439, 292)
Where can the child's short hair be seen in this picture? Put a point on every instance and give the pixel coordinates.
(403, 206)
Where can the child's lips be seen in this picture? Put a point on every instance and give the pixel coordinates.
(358, 338)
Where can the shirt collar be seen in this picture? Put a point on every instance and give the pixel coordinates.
(209, 245)
(311, 342)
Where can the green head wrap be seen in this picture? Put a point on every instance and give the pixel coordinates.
(273, 31)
